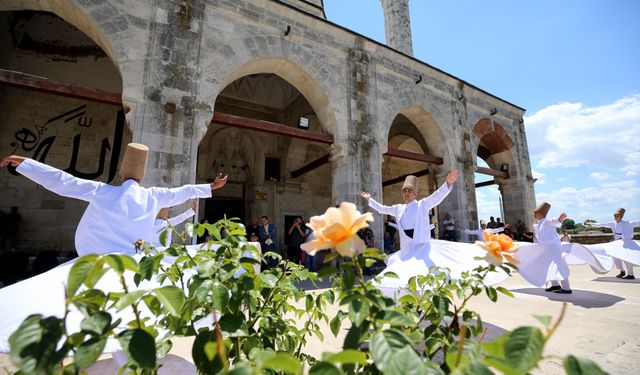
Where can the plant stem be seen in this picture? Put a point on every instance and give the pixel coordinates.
(134, 306)
(364, 289)
(463, 334)
(557, 323)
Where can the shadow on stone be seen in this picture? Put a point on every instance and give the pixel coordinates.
(582, 298)
(616, 280)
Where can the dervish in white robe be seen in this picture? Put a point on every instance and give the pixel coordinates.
(117, 216)
(623, 248)
(419, 252)
(548, 260)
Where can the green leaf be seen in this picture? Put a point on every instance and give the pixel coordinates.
(278, 361)
(325, 368)
(219, 296)
(97, 323)
(523, 348)
(384, 344)
(335, 323)
(242, 369)
(326, 271)
(471, 351)
(139, 347)
(358, 311)
(234, 325)
(349, 356)
(202, 291)
(121, 262)
(505, 291)
(89, 351)
(128, 299)
(199, 354)
(172, 298)
(581, 366)
(163, 238)
(544, 319)
(164, 347)
(406, 362)
(33, 344)
(491, 293)
(269, 279)
(397, 318)
(441, 307)
(78, 273)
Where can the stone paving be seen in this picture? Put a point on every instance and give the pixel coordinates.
(601, 324)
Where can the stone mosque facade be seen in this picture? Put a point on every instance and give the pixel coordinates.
(301, 113)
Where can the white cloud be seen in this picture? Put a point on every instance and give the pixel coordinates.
(573, 135)
(600, 176)
(594, 202)
(488, 202)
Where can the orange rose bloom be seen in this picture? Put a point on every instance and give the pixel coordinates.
(338, 228)
(499, 247)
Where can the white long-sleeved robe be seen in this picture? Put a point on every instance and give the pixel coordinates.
(624, 247)
(117, 216)
(419, 253)
(549, 259)
(160, 225)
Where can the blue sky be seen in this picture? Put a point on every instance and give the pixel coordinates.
(573, 64)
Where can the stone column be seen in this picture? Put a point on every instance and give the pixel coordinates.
(518, 200)
(397, 25)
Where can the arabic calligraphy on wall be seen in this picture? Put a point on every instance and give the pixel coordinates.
(37, 142)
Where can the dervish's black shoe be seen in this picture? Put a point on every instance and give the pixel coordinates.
(553, 288)
(628, 277)
(621, 275)
(563, 291)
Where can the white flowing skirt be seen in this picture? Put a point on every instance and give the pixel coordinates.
(45, 294)
(414, 260)
(625, 250)
(540, 263)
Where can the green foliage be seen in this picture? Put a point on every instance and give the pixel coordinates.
(568, 224)
(259, 323)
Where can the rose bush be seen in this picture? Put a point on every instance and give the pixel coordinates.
(243, 322)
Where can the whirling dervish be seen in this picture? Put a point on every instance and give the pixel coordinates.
(624, 249)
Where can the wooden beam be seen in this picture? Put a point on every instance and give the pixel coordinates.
(270, 127)
(485, 183)
(310, 166)
(48, 86)
(395, 180)
(394, 152)
(492, 172)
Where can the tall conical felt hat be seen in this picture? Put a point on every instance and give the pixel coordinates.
(163, 214)
(410, 182)
(543, 208)
(620, 211)
(134, 162)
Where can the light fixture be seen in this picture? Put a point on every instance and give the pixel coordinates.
(287, 31)
(303, 123)
(504, 167)
(419, 79)
(493, 111)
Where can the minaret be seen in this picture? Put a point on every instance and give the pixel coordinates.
(397, 25)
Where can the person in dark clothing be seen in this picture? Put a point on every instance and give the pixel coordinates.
(297, 236)
(253, 228)
(11, 228)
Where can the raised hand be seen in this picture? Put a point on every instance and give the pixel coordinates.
(14, 160)
(452, 177)
(365, 195)
(562, 217)
(219, 182)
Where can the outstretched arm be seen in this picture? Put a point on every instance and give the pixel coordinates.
(53, 179)
(439, 195)
(182, 217)
(380, 208)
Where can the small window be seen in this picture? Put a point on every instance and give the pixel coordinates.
(272, 169)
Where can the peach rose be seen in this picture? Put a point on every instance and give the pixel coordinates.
(499, 247)
(338, 228)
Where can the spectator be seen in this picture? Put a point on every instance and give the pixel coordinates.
(492, 223)
(253, 228)
(507, 230)
(267, 238)
(449, 228)
(388, 243)
(520, 229)
(499, 223)
(11, 228)
(297, 236)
